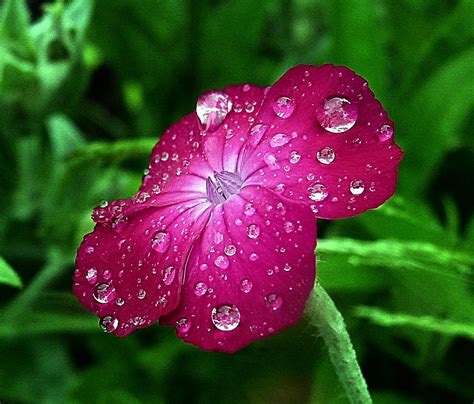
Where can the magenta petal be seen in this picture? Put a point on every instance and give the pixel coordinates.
(330, 146)
(131, 274)
(250, 273)
(224, 148)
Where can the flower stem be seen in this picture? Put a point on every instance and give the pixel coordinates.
(330, 323)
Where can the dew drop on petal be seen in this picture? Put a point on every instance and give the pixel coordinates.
(225, 317)
(326, 155)
(287, 267)
(249, 210)
(273, 301)
(253, 231)
(253, 257)
(141, 294)
(222, 262)
(284, 106)
(91, 275)
(107, 274)
(212, 108)
(256, 133)
(104, 293)
(288, 227)
(280, 139)
(246, 285)
(385, 132)
(183, 325)
(337, 115)
(108, 323)
(230, 250)
(294, 157)
(317, 192)
(119, 302)
(357, 187)
(168, 275)
(200, 289)
(271, 161)
(161, 242)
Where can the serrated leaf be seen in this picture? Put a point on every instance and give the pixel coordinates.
(8, 276)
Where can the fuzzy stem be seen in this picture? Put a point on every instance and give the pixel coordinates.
(330, 323)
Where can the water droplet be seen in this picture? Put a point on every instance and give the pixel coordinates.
(222, 262)
(256, 133)
(253, 257)
(249, 210)
(168, 275)
(326, 155)
(287, 267)
(91, 276)
(119, 302)
(225, 317)
(357, 187)
(246, 285)
(284, 106)
(200, 289)
(218, 237)
(288, 227)
(183, 325)
(212, 108)
(317, 192)
(161, 242)
(230, 250)
(104, 293)
(141, 294)
(271, 161)
(273, 301)
(246, 88)
(280, 139)
(253, 231)
(385, 132)
(108, 323)
(294, 157)
(107, 274)
(337, 115)
(103, 204)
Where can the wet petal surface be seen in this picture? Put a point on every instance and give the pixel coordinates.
(131, 273)
(250, 273)
(334, 152)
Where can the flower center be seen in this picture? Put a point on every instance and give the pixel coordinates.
(222, 186)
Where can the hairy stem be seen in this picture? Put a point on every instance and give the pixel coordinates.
(330, 323)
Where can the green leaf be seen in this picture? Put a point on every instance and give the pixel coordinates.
(14, 27)
(65, 137)
(8, 276)
(425, 323)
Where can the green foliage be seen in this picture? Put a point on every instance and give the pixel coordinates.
(86, 88)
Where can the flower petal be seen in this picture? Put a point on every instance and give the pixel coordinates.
(250, 273)
(328, 144)
(129, 273)
(224, 146)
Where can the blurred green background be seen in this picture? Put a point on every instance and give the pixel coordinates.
(86, 89)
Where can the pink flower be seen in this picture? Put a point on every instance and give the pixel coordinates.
(219, 240)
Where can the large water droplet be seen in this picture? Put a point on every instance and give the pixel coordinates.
(385, 132)
(246, 285)
(212, 108)
(108, 323)
(161, 242)
(280, 139)
(222, 262)
(337, 115)
(273, 301)
(326, 155)
(271, 161)
(317, 192)
(294, 157)
(357, 187)
(183, 325)
(141, 294)
(249, 210)
(253, 231)
(225, 317)
(200, 289)
(104, 293)
(168, 275)
(230, 250)
(284, 106)
(256, 133)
